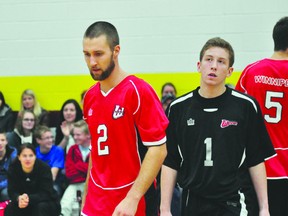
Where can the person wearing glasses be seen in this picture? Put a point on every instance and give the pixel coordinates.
(51, 154)
(24, 129)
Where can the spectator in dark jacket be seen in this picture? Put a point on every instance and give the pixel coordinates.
(30, 186)
(7, 155)
(6, 116)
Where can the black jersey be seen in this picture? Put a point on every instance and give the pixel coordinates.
(213, 142)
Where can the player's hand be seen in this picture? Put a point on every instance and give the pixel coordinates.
(127, 207)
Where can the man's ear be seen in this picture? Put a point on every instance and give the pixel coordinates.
(116, 50)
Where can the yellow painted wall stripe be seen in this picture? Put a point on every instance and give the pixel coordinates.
(52, 91)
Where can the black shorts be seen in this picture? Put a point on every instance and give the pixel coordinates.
(193, 205)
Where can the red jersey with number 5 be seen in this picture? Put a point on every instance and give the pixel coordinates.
(267, 81)
(116, 119)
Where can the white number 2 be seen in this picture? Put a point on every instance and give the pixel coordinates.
(208, 161)
(272, 104)
(102, 149)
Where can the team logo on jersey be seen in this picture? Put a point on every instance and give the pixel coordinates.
(118, 112)
(190, 122)
(90, 112)
(226, 123)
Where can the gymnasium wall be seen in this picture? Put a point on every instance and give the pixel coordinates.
(41, 41)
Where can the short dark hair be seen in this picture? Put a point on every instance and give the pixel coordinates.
(24, 146)
(280, 34)
(103, 28)
(219, 42)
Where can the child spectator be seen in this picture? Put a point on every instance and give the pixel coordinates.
(6, 116)
(70, 113)
(76, 166)
(50, 154)
(29, 102)
(24, 129)
(7, 155)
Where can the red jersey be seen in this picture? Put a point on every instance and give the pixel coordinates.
(267, 81)
(115, 120)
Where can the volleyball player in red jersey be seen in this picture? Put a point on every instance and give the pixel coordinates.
(267, 81)
(124, 115)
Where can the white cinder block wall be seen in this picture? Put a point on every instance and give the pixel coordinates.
(44, 37)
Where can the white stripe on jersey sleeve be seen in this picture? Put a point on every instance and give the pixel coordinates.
(159, 142)
(137, 96)
(178, 100)
(237, 94)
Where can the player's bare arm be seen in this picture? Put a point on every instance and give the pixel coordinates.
(168, 181)
(258, 176)
(150, 167)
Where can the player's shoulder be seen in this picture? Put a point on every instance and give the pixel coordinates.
(138, 84)
(244, 99)
(255, 66)
(180, 103)
(132, 79)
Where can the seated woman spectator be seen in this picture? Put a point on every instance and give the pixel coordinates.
(7, 155)
(69, 114)
(30, 186)
(23, 132)
(76, 167)
(6, 116)
(29, 102)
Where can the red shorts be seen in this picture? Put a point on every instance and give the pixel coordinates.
(103, 202)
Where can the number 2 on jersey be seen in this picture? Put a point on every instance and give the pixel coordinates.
(102, 131)
(208, 161)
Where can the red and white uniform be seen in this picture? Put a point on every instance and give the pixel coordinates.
(267, 81)
(115, 118)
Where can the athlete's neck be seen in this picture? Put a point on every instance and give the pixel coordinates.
(113, 80)
(211, 92)
(280, 55)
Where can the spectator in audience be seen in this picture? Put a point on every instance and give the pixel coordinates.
(24, 129)
(29, 102)
(69, 114)
(166, 100)
(50, 154)
(76, 166)
(30, 186)
(6, 116)
(7, 155)
(168, 93)
(168, 88)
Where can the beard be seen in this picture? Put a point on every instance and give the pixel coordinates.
(105, 73)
